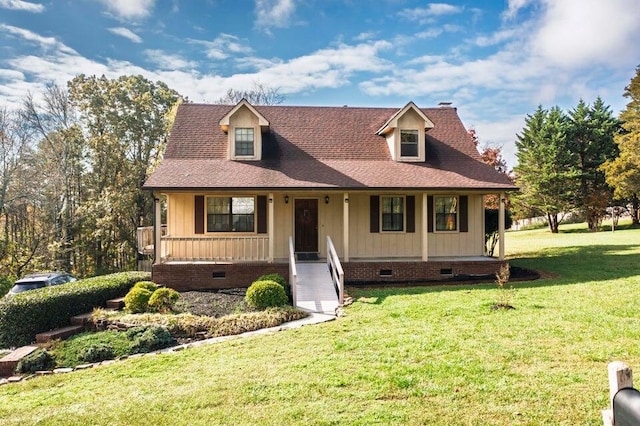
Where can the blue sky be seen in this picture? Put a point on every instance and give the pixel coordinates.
(494, 60)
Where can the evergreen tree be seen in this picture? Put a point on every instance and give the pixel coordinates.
(546, 167)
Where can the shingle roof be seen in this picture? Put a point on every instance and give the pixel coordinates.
(319, 147)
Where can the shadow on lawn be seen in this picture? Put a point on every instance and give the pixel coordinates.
(566, 265)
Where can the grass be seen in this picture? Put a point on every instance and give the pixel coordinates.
(66, 352)
(401, 356)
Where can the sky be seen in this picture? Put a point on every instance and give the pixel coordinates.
(495, 60)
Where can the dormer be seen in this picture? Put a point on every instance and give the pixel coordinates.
(244, 126)
(405, 133)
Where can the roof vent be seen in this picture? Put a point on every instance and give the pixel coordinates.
(444, 104)
(345, 106)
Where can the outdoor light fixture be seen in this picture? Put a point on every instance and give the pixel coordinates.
(286, 199)
(326, 199)
(270, 200)
(346, 201)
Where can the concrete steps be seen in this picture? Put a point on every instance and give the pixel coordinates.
(9, 362)
(59, 333)
(116, 304)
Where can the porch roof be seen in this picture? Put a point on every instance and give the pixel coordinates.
(320, 148)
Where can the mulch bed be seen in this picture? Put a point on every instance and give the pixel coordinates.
(213, 303)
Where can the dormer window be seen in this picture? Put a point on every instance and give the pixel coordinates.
(244, 126)
(244, 142)
(405, 134)
(409, 143)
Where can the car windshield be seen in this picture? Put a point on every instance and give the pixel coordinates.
(19, 288)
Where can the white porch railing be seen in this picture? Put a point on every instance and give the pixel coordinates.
(293, 272)
(335, 268)
(231, 248)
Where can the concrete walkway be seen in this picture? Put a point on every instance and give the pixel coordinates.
(315, 291)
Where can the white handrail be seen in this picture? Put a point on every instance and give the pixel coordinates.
(335, 268)
(293, 272)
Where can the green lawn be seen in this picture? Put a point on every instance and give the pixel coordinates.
(400, 356)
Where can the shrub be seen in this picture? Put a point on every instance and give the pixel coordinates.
(276, 278)
(5, 285)
(137, 300)
(96, 353)
(163, 300)
(38, 360)
(265, 294)
(24, 315)
(148, 285)
(147, 339)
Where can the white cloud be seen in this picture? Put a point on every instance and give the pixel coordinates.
(21, 5)
(129, 9)
(365, 36)
(126, 33)
(224, 46)
(514, 7)
(43, 42)
(273, 13)
(496, 38)
(426, 14)
(576, 33)
(167, 61)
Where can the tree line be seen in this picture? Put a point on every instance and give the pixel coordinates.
(72, 166)
(583, 160)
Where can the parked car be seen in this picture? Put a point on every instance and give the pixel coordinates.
(40, 280)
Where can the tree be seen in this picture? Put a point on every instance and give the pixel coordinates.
(125, 122)
(60, 164)
(259, 94)
(590, 137)
(546, 168)
(623, 172)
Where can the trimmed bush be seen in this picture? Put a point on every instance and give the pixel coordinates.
(96, 353)
(38, 360)
(5, 285)
(277, 278)
(266, 294)
(150, 339)
(148, 285)
(163, 299)
(137, 300)
(24, 315)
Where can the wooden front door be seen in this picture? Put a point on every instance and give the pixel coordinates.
(306, 217)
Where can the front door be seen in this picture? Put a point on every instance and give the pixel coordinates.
(306, 216)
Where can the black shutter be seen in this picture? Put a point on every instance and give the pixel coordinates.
(430, 213)
(411, 213)
(464, 213)
(374, 214)
(262, 214)
(199, 214)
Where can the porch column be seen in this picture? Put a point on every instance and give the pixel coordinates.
(501, 226)
(270, 228)
(345, 227)
(425, 227)
(157, 229)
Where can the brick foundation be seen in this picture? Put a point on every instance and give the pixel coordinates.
(381, 272)
(200, 276)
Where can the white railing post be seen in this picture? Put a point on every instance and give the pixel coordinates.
(293, 273)
(620, 377)
(337, 273)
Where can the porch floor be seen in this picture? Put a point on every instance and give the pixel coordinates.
(315, 291)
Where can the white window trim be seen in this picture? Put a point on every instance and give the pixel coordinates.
(231, 233)
(409, 157)
(232, 136)
(404, 214)
(435, 213)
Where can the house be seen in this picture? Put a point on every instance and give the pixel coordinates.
(398, 192)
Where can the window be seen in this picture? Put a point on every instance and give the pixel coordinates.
(408, 143)
(244, 141)
(446, 210)
(392, 213)
(230, 214)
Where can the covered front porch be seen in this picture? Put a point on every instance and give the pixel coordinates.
(355, 224)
